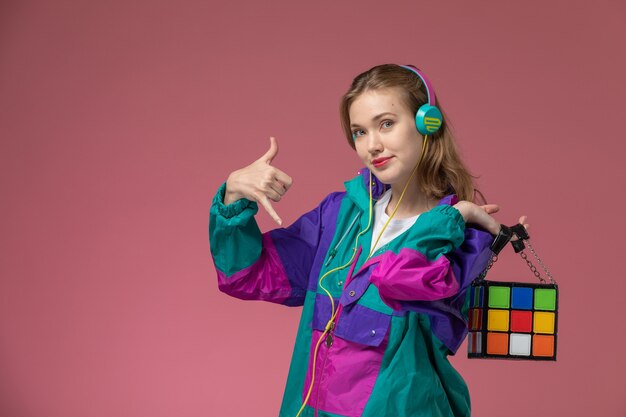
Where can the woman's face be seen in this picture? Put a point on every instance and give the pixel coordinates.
(385, 135)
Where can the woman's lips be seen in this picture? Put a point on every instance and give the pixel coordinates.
(380, 162)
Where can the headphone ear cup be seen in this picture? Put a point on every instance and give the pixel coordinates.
(428, 119)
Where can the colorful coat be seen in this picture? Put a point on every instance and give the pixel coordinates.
(402, 312)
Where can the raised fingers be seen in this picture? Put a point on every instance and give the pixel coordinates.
(272, 151)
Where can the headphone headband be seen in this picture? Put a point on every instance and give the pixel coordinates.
(430, 91)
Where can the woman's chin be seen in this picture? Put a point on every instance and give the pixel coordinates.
(384, 174)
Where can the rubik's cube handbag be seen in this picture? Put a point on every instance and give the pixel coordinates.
(513, 320)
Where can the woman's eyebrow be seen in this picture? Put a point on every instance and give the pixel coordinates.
(378, 116)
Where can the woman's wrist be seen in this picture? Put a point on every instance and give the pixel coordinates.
(465, 209)
(477, 215)
(230, 194)
(230, 197)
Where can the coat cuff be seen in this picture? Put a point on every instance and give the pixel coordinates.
(454, 214)
(233, 209)
(451, 223)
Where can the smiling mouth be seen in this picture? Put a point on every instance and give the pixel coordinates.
(380, 162)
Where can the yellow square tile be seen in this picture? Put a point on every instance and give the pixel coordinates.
(543, 322)
(498, 320)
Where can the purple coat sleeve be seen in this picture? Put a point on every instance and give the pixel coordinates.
(272, 266)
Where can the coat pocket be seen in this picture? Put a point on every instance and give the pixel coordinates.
(356, 323)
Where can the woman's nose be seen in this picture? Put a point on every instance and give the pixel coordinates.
(374, 145)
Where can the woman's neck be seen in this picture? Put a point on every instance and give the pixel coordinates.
(413, 203)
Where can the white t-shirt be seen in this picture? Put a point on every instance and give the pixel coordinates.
(395, 227)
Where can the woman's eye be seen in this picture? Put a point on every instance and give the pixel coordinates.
(356, 133)
(388, 123)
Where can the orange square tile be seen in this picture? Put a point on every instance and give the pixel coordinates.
(497, 343)
(543, 345)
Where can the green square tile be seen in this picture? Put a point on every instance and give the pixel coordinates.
(545, 299)
(499, 297)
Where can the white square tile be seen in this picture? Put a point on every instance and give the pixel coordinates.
(519, 344)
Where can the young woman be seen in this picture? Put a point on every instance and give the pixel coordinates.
(381, 268)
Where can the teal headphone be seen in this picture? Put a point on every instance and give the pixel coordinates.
(428, 118)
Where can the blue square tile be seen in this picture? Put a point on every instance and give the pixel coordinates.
(522, 298)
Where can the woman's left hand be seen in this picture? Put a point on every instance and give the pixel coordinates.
(481, 215)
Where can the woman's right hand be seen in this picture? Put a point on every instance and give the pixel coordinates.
(260, 182)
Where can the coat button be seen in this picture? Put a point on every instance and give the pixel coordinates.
(352, 293)
(340, 283)
(373, 333)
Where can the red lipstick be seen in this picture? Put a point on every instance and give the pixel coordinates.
(378, 162)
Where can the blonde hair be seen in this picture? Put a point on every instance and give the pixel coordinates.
(442, 171)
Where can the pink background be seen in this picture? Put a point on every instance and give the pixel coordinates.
(119, 120)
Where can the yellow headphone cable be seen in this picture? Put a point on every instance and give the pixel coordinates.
(330, 325)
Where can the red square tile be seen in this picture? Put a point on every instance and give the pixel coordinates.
(521, 321)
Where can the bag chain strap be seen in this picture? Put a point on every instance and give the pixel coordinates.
(503, 237)
(533, 268)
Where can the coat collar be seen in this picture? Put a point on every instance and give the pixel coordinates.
(358, 190)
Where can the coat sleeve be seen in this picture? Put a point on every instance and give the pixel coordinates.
(445, 260)
(272, 266)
